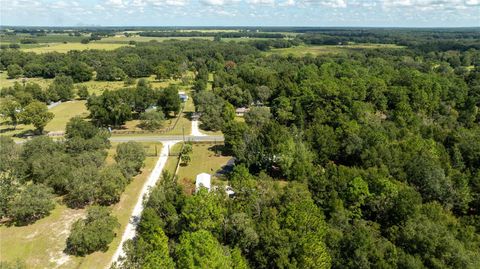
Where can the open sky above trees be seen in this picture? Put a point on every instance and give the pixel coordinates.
(374, 13)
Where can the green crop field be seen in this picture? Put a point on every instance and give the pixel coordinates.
(49, 38)
(121, 39)
(329, 49)
(63, 48)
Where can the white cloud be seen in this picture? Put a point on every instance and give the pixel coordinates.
(261, 2)
(219, 2)
(114, 3)
(472, 2)
(288, 3)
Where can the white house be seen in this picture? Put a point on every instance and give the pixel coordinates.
(202, 180)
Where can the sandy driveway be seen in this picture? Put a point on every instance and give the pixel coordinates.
(129, 232)
(195, 129)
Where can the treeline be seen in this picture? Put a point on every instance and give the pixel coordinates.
(151, 106)
(140, 61)
(247, 34)
(423, 40)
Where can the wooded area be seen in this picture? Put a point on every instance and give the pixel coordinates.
(366, 159)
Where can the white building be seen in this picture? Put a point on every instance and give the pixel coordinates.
(183, 96)
(203, 180)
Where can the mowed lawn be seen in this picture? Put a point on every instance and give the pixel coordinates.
(329, 49)
(41, 244)
(203, 160)
(64, 48)
(64, 112)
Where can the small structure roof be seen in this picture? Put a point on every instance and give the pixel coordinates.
(202, 180)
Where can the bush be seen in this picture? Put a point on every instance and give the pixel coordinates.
(14, 71)
(151, 120)
(82, 92)
(32, 203)
(93, 233)
(130, 157)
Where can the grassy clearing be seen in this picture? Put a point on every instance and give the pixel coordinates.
(329, 49)
(49, 38)
(204, 160)
(41, 245)
(64, 112)
(121, 39)
(63, 48)
(6, 82)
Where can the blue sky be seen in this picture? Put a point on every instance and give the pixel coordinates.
(383, 13)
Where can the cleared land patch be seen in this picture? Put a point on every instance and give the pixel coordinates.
(329, 49)
(63, 48)
(204, 159)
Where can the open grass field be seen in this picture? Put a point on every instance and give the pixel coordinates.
(40, 245)
(64, 112)
(64, 48)
(49, 38)
(121, 39)
(299, 51)
(203, 160)
(6, 82)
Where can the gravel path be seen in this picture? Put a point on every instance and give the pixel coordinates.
(129, 232)
(195, 129)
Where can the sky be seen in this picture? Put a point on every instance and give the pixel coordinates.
(361, 13)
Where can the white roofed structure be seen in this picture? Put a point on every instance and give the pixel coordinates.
(202, 180)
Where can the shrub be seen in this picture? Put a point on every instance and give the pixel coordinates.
(32, 203)
(130, 157)
(93, 233)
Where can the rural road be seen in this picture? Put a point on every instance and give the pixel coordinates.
(154, 176)
(159, 138)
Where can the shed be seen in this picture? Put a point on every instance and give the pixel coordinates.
(241, 111)
(183, 96)
(202, 180)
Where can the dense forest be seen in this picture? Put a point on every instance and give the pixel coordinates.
(367, 159)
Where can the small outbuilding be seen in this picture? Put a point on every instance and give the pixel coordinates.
(183, 96)
(240, 112)
(203, 180)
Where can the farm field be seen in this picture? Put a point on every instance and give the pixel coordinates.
(41, 244)
(121, 39)
(329, 49)
(64, 48)
(203, 160)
